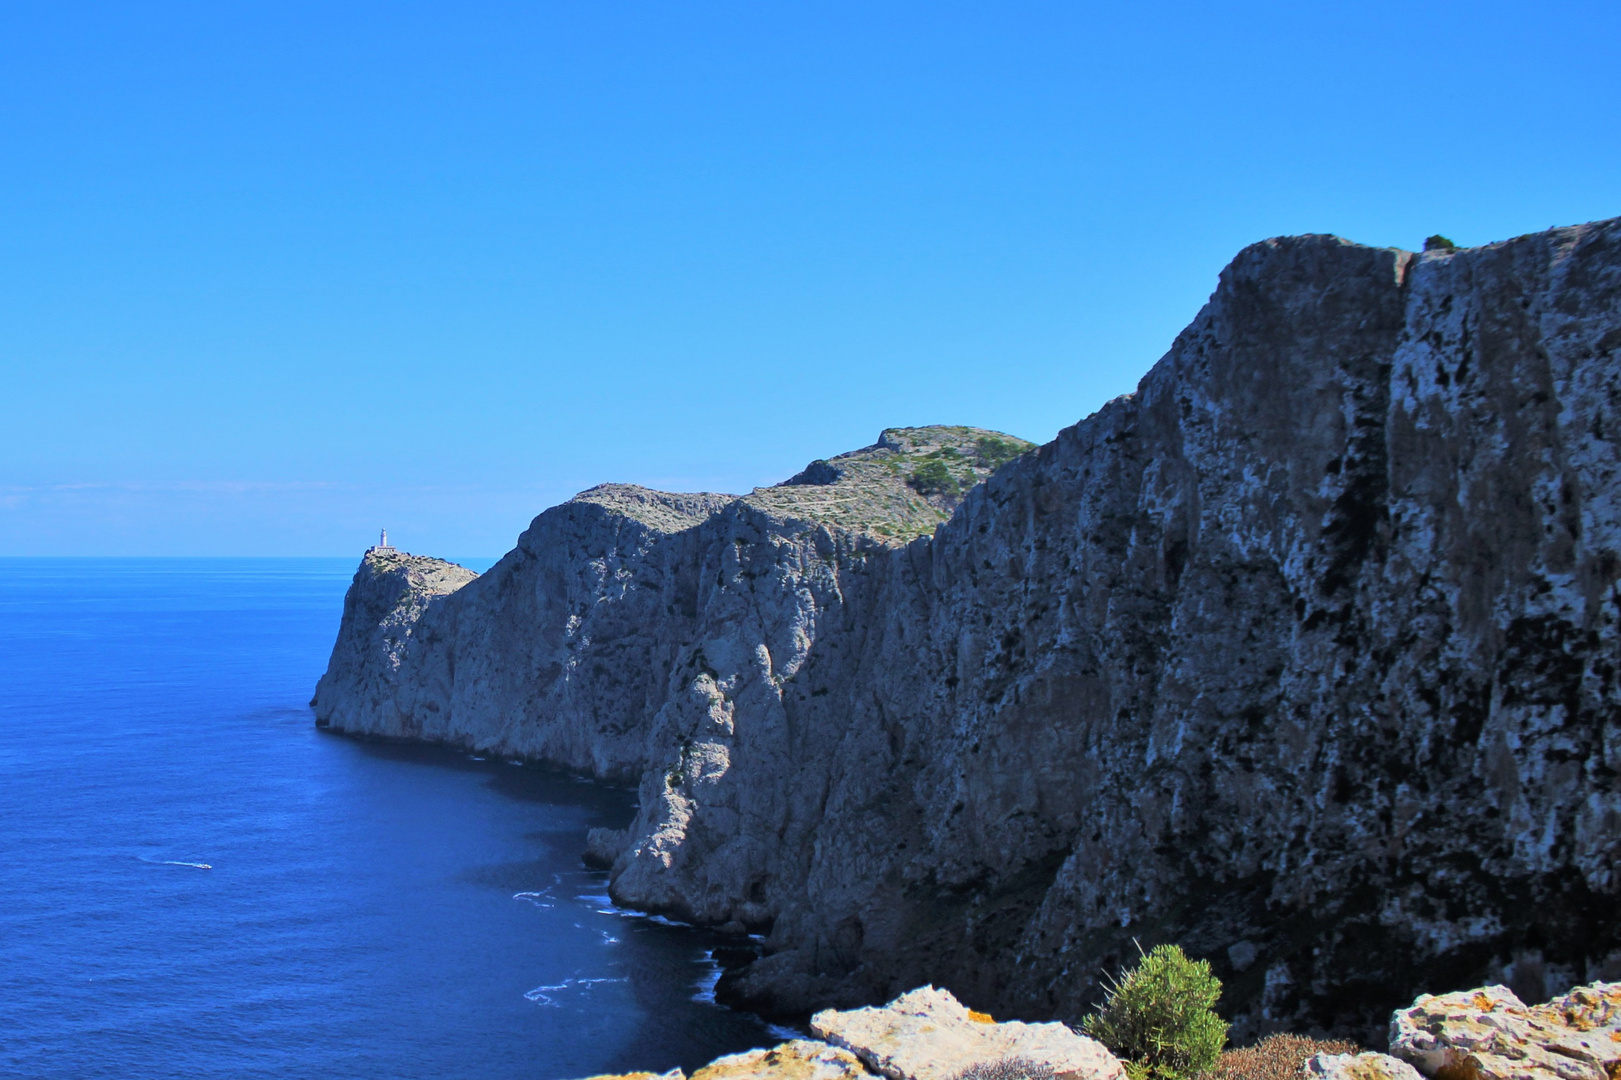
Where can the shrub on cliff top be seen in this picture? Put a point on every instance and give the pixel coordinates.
(1439, 243)
(994, 453)
(934, 478)
(1276, 1057)
(1158, 1017)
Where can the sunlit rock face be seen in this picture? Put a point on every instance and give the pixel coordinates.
(927, 1034)
(1303, 656)
(384, 626)
(1491, 1034)
(616, 606)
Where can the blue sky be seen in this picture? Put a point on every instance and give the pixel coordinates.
(274, 275)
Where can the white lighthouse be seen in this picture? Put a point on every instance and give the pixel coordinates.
(382, 547)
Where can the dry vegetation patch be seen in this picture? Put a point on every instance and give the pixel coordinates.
(1276, 1057)
(1012, 1068)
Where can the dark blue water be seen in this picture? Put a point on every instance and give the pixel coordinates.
(367, 910)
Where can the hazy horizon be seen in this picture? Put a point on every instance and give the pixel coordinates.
(276, 276)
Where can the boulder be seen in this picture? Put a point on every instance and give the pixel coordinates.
(602, 847)
(802, 1059)
(1367, 1066)
(928, 1034)
(1489, 1034)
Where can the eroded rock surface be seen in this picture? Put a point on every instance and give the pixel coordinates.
(801, 1059)
(1490, 1034)
(1303, 656)
(1367, 1066)
(927, 1034)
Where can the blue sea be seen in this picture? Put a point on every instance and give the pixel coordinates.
(194, 882)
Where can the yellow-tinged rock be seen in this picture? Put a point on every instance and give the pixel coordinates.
(1366, 1066)
(927, 1034)
(802, 1059)
(1489, 1034)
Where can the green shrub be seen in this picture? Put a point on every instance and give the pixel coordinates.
(934, 478)
(1158, 1017)
(1439, 243)
(994, 453)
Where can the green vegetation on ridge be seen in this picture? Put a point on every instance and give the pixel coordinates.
(899, 488)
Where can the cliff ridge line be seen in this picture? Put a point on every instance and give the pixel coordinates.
(1303, 656)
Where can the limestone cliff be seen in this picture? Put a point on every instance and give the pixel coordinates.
(1303, 656)
(382, 618)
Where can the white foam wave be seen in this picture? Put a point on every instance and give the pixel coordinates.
(539, 899)
(705, 986)
(603, 905)
(544, 995)
(663, 921)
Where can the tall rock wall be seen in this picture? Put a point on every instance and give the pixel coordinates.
(1303, 656)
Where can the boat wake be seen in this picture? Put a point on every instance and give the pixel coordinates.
(175, 862)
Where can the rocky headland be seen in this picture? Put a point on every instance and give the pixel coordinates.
(1303, 656)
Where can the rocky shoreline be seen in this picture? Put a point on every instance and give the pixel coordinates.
(1304, 656)
(926, 1034)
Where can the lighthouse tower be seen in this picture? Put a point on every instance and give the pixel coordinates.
(382, 547)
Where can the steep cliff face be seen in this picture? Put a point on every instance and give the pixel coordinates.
(573, 646)
(383, 617)
(1303, 656)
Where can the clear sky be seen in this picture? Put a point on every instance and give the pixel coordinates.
(273, 275)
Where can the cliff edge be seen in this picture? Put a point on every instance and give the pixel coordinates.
(1303, 656)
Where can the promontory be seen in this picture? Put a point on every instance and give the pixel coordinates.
(1303, 656)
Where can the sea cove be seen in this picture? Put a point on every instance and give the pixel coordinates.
(366, 910)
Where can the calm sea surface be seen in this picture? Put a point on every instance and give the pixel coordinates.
(366, 910)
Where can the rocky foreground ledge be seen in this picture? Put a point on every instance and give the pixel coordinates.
(927, 1034)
